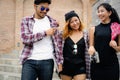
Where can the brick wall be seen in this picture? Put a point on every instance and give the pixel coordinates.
(11, 14)
(7, 23)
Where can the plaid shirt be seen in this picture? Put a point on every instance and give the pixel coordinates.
(87, 56)
(28, 38)
(115, 28)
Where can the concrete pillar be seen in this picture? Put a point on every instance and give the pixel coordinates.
(19, 15)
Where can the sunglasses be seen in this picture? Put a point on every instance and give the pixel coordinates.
(43, 8)
(75, 49)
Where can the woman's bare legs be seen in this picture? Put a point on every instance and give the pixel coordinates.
(65, 77)
(80, 77)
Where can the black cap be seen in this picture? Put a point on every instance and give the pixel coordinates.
(37, 2)
(70, 14)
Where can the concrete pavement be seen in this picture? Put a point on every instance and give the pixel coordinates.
(55, 77)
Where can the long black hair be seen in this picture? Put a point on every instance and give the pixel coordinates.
(114, 16)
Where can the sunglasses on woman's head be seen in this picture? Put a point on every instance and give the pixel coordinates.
(42, 8)
(75, 49)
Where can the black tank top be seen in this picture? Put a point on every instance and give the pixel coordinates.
(68, 51)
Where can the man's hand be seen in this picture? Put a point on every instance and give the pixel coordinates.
(51, 31)
(60, 67)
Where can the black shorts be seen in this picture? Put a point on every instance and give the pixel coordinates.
(71, 69)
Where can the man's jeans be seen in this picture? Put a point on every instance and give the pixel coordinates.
(41, 69)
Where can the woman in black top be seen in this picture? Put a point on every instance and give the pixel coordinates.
(75, 49)
(100, 41)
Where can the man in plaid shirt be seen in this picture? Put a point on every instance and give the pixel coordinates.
(42, 42)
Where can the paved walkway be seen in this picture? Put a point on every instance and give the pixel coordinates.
(55, 77)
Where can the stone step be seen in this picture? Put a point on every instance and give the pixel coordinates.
(10, 68)
(9, 61)
(13, 54)
(9, 76)
(9, 55)
(14, 76)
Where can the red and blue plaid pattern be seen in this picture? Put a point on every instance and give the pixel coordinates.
(28, 38)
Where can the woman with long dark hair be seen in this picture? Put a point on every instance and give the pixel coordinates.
(100, 41)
